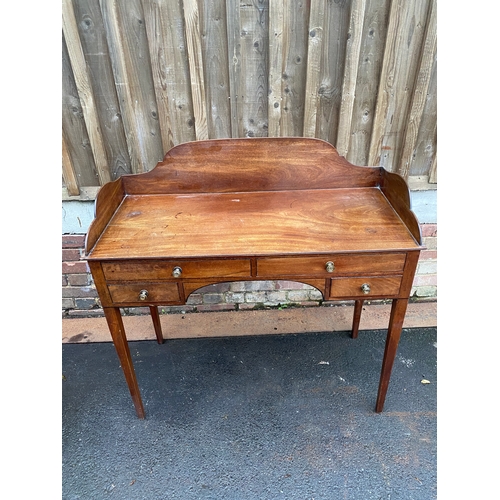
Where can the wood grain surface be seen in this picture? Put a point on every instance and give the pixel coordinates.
(225, 210)
(257, 223)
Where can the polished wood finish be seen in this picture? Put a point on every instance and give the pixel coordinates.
(225, 225)
(344, 265)
(162, 293)
(163, 269)
(253, 209)
(398, 311)
(353, 287)
(358, 309)
(155, 316)
(117, 331)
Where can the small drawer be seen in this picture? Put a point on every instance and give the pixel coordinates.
(171, 269)
(144, 293)
(332, 265)
(366, 286)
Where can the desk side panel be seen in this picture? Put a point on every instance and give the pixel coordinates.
(256, 164)
(107, 202)
(395, 189)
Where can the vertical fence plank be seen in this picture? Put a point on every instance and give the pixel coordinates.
(233, 23)
(314, 52)
(253, 83)
(295, 34)
(216, 67)
(425, 145)
(332, 69)
(69, 175)
(385, 85)
(155, 17)
(93, 39)
(85, 91)
(124, 21)
(419, 93)
(195, 60)
(368, 75)
(276, 48)
(433, 170)
(74, 127)
(170, 70)
(350, 75)
(401, 57)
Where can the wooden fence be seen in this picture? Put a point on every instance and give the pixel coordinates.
(140, 76)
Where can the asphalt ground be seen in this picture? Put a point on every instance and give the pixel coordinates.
(252, 417)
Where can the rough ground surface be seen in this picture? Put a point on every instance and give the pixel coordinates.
(258, 417)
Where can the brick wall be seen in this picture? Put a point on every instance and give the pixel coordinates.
(425, 282)
(79, 297)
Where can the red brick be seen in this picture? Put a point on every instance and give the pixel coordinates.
(71, 254)
(77, 267)
(78, 279)
(73, 240)
(429, 229)
(428, 254)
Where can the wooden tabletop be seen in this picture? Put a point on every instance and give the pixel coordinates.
(253, 224)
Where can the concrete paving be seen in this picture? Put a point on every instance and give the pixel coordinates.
(285, 416)
(253, 322)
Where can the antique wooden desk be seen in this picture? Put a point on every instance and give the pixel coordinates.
(253, 209)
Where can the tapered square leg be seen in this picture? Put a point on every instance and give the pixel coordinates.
(358, 307)
(155, 316)
(115, 324)
(398, 311)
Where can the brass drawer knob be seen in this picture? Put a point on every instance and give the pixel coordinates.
(365, 288)
(143, 294)
(176, 271)
(329, 266)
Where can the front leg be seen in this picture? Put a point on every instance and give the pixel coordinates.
(117, 330)
(398, 311)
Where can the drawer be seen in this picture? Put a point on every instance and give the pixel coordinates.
(365, 287)
(155, 292)
(343, 264)
(163, 269)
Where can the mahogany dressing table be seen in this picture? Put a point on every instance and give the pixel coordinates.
(253, 209)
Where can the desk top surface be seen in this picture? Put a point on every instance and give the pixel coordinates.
(256, 223)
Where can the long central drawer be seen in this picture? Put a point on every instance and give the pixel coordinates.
(169, 269)
(334, 265)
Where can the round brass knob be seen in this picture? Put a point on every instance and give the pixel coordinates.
(143, 294)
(176, 271)
(329, 266)
(365, 288)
